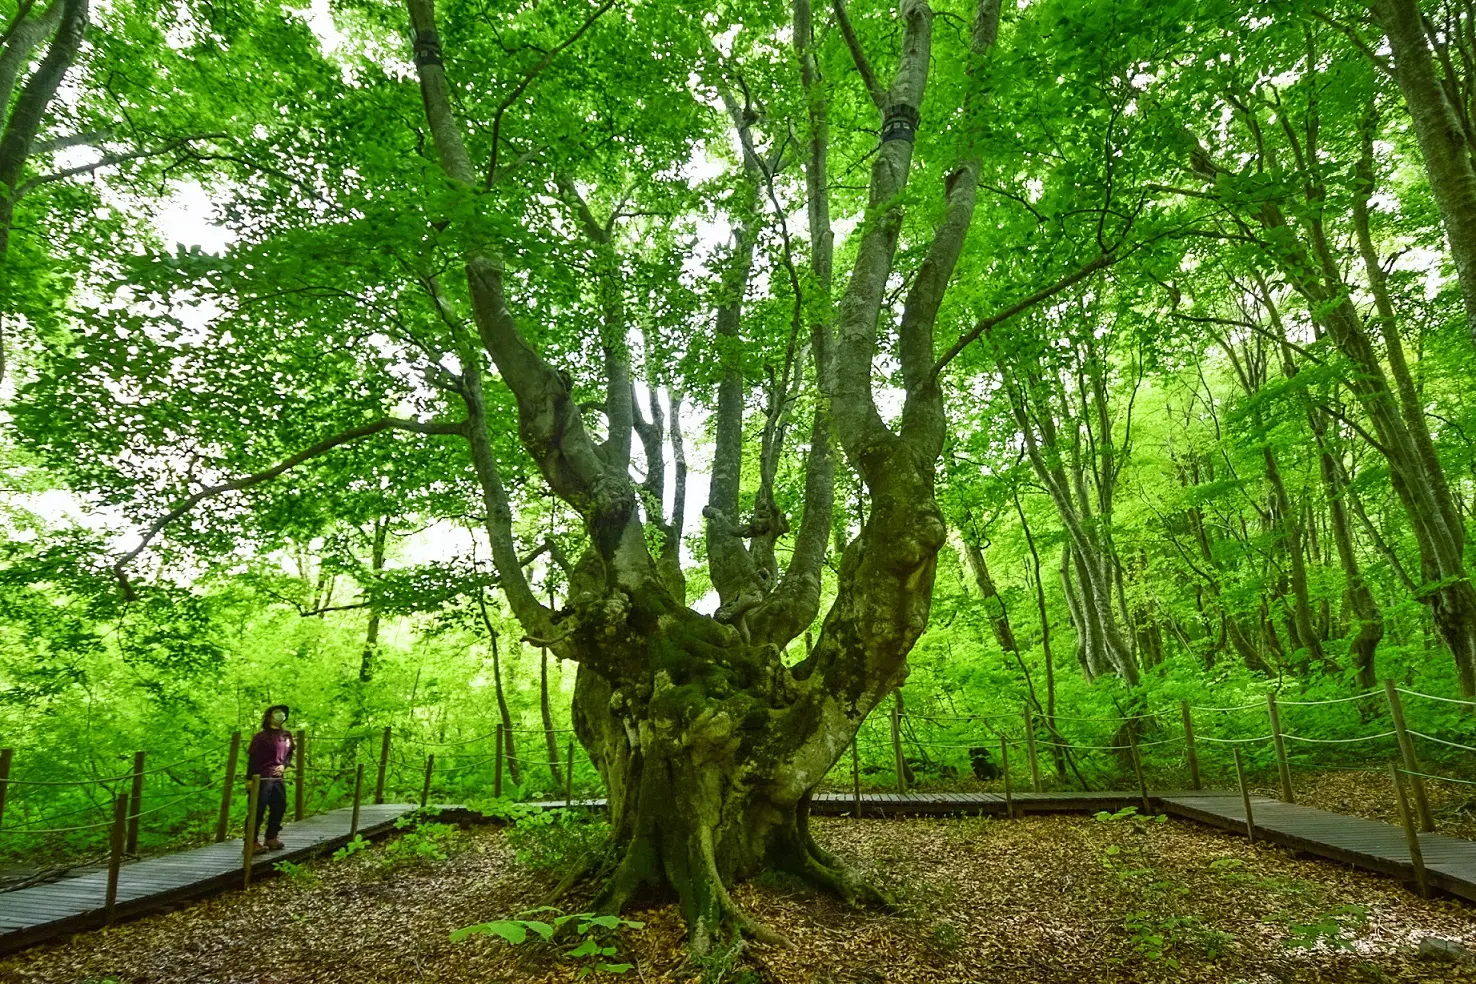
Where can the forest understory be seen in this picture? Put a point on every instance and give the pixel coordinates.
(1041, 899)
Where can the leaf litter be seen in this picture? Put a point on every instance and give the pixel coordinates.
(1038, 900)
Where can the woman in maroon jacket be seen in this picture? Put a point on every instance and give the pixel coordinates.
(268, 756)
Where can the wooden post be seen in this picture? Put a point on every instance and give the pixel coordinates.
(1411, 837)
(1030, 751)
(1189, 751)
(1245, 796)
(358, 792)
(248, 845)
(224, 822)
(497, 775)
(856, 778)
(1281, 764)
(1407, 753)
(430, 766)
(300, 763)
(6, 755)
(1004, 765)
(384, 750)
(115, 856)
(135, 802)
(898, 760)
(569, 776)
(1138, 771)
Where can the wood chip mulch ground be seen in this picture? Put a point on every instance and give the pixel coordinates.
(1042, 900)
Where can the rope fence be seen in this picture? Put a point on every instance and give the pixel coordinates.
(368, 765)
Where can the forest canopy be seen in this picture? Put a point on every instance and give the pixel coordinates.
(732, 365)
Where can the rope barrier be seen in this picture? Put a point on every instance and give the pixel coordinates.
(123, 778)
(1339, 741)
(1108, 720)
(1448, 700)
(1426, 775)
(1232, 741)
(1237, 707)
(1334, 700)
(1442, 741)
(450, 744)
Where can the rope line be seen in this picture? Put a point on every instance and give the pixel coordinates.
(1233, 741)
(1237, 707)
(450, 744)
(1426, 775)
(1442, 741)
(1448, 700)
(1339, 741)
(124, 777)
(1334, 700)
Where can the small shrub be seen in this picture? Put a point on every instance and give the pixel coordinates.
(946, 937)
(593, 951)
(550, 839)
(1330, 927)
(351, 848)
(299, 874)
(426, 844)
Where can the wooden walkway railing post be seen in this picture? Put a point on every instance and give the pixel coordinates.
(384, 750)
(430, 766)
(358, 794)
(299, 759)
(1407, 753)
(1189, 752)
(1138, 771)
(569, 776)
(1282, 766)
(856, 778)
(1245, 796)
(118, 834)
(1004, 766)
(224, 821)
(1030, 751)
(497, 774)
(248, 843)
(1411, 837)
(898, 760)
(135, 801)
(7, 755)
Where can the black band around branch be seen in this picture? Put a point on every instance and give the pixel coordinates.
(900, 123)
(427, 48)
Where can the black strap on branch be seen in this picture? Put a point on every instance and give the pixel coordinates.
(900, 123)
(427, 49)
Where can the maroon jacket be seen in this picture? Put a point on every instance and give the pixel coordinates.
(271, 748)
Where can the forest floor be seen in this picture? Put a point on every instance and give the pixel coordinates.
(1043, 899)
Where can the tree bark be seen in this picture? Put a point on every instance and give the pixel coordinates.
(1444, 143)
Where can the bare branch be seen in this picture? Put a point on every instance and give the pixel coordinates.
(1024, 304)
(257, 478)
(522, 86)
(858, 55)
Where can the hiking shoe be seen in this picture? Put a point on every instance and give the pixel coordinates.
(257, 848)
(273, 844)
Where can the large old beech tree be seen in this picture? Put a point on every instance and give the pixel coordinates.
(709, 744)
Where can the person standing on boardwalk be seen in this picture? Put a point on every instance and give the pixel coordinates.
(268, 757)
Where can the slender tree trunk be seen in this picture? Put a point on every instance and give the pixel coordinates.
(550, 737)
(1444, 145)
(370, 655)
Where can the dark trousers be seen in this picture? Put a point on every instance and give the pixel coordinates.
(271, 803)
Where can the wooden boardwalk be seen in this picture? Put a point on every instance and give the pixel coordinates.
(42, 912)
(30, 915)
